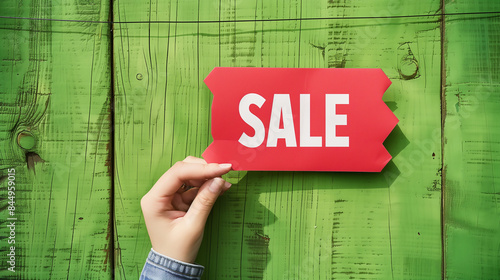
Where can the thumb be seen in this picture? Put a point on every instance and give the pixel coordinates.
(202, 204)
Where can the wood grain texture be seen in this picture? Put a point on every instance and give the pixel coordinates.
(55, 81)
(471, 143)
(55, 131)
(283, 225)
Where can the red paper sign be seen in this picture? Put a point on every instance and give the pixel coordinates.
(299, 119)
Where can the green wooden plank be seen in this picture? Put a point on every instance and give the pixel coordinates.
(55, 133)
(283, 225)
(472, 149)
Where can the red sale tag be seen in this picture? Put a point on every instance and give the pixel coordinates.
(299, 119)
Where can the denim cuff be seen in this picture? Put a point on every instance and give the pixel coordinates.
(175, 266)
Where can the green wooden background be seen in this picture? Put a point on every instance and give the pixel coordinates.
(93, 112)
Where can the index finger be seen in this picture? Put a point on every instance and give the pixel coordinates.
(182, 171)
(192, 159)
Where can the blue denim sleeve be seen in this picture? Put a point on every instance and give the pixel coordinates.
(162, 267)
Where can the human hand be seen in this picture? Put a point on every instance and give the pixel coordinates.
(175, 217)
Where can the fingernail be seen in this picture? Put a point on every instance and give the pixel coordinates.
(216, 185)
(227, 185)
(225, 165)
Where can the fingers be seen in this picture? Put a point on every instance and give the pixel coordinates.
(192, 159)
(182, 200)
(188, 196)
(204, 201)
(194, 183)
(187, 171)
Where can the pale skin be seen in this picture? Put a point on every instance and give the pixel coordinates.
(175, 217)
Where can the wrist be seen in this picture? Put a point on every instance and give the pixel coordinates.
(177, 253)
